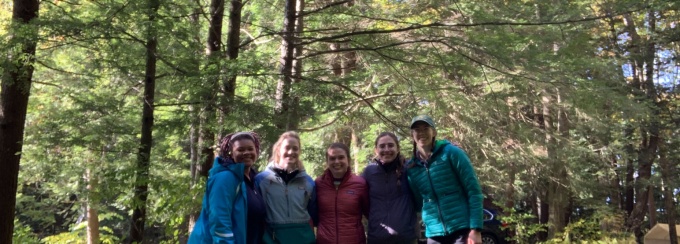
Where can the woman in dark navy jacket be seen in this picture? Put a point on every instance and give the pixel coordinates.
(392, 216)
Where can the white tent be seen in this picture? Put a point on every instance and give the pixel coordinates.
(659, 234)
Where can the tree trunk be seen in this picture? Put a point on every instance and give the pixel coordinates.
(510, 186)
(651, 206)
(297, 51)
(91, 208)
(563, 202)
(557, 190)
(343, 135)
(629, 186)
(206, 138)
(193, 168)
(92, 225)
(14, 93)
(343, 63)
(284, 109)
(233, 44)
(356, 147)
(143, 156)
(349, 61)
(336, 61)
(543, 217)
(215, 29)
(643, 55)
(667, 174)
(194, 130)
(615, 188)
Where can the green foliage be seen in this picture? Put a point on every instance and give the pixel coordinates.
(23, 234)
(78, 235)
(482, 71)
(604, 226)
(524, 225)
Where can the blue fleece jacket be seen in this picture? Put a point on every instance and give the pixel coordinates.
(287, 203)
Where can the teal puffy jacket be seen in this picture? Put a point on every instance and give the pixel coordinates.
(225, 208)
(448, 190)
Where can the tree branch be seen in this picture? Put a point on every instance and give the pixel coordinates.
(330, 5)
(47, 84)
(64, 71)
(415, 26)
(337, 117)
(365, 48)
(361, 97)
(175, 104)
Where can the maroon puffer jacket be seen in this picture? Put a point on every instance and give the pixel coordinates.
(340, 209)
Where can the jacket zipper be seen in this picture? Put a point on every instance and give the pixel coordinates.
(436, 198)
(387, 180)
(287, 200)
(337, 234)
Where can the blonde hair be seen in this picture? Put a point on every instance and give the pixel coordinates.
(277, 146)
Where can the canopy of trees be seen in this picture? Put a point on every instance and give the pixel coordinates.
(110, 110)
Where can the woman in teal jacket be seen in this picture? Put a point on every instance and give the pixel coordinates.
(224, 213)
(445, 186)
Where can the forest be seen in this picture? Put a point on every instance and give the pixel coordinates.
(111, 110)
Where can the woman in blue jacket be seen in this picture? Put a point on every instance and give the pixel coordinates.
(233, 208)
(445, 185)
(392, 216)
(289, 194)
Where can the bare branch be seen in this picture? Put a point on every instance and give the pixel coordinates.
(63, 71)
(365, 48)
(330, 5)
(171, 65)
(361, 97)
(175, 104)
(324, 125)
(47, 84)
(416, 26)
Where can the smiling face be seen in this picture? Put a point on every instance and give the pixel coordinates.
(422, 134)
(386, 149)
(244, 151)
(289, 153)
(337, 162)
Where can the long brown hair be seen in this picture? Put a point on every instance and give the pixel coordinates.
(277, 146)
(399, 159)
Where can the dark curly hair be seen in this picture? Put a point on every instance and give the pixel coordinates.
(228, 142)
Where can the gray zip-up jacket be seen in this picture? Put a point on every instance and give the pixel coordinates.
(392, 216)
(290, 203)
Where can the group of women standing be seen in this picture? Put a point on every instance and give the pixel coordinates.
(283, 204)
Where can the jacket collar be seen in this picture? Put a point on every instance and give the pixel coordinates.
(438, 148)
(328, 176)
(223, 164)
(271, 167)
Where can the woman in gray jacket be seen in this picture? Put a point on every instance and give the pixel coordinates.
(289, 194)
(392, 216)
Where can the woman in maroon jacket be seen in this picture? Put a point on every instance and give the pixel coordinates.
(342, 198)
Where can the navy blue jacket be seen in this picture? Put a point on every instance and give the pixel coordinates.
(392, 216)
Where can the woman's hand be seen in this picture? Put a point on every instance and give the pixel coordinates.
(474, 237)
